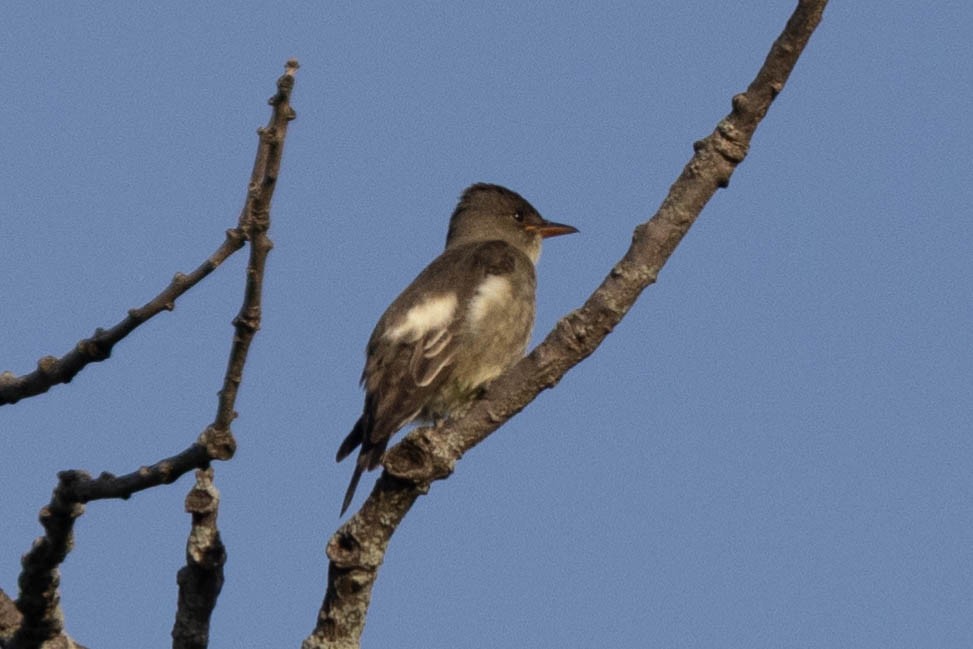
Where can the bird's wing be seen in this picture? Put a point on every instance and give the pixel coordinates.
(431, 354)
(408, 356)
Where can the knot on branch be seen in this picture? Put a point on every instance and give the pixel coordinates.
(236, 237)
(204, 497)
(420, 459)
(218, 442)
(344, 550)
(572, 332)
(256, 217)
(67, 495)
(204, 549)
(268, 134)
(97, 348)
(732, 144)
(47, 365)
(248, 320)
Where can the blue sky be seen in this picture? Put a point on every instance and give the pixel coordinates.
(772, 450)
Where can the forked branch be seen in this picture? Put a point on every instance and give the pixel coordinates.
(40, 619)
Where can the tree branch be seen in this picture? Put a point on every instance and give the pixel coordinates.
(356, 550)
(39, 601)
(52, 370)
(200, 581)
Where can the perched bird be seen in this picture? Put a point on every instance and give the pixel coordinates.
(464, 320)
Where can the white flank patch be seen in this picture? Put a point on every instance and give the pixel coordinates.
(493, 293)
(434, 313)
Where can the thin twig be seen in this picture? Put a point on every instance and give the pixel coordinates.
(201, 579)
(358, 547)
(255, 222)
(52, 370)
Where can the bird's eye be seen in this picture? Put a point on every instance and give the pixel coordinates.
(519, 216)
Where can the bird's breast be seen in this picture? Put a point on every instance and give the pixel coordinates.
(498, 323)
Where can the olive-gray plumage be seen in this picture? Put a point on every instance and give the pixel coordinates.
(464, 320)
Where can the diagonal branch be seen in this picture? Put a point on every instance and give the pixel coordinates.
(427, 454)
(52, 370)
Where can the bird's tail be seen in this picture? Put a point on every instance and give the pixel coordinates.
(369, 457)
(350, 492)
(351, 442)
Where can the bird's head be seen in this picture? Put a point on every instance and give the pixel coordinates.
(491, 212)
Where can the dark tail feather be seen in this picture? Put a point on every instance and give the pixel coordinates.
(351, 442)
(350, 493)
(369, 457)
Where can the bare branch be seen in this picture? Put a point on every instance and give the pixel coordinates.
(41, 619)
(39, 601)
(52, 370)
(201, 579)
(358, 547)
(254, 223)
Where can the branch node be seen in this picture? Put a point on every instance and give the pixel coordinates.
(740, 102)
(204, 497)
(47, 365)
(733, 144)
(96, 348)
(344, 549)
(419, 459)
(249, 321)
(218, 442)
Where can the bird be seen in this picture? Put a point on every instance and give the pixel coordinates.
(463, 320)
